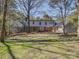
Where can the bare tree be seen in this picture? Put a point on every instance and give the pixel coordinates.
(64, 7)
(77, 5)
(28, 7)
(3, 32)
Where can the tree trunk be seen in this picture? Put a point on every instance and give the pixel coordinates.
(64, 29)
(63, 21)
(78, 26)
(78, 31)
(78, 17)
(28, 16)
(3, 32)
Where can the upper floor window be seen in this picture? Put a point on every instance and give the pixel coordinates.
(45, 23)
(55, 23)
(39, 23)
(78, 1)
(33, 22)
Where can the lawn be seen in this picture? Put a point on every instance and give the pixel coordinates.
(39, 47)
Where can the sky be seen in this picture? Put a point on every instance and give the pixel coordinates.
(45, 9)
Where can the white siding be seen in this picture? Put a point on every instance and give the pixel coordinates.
(36, 23)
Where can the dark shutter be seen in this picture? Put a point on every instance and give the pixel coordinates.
(39, 23)
(45, 23)
(33, 22)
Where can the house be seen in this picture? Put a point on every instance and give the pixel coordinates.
(38, 26)
(43, 26)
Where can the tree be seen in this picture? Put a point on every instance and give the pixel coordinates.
(77, 4)
(12, 18)
(47, 17)
(1, 5)
(73, 18)
(64, 7)
(29, 7)
(3, 32)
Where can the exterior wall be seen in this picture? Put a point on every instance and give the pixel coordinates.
(36, 26)
(45, 26)
(43, 23)
(41, 26)
(59, 29)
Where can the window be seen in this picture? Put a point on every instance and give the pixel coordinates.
(55, 23)
(39, 23)
(78, 1)
(33, 22)
(45, 23)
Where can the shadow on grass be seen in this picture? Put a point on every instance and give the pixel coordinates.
(67, 36)
(45, 50)
(61, 39)
(9, 50)
(20, 40)
(60, 53)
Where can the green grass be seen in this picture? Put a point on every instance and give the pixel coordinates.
(39, 50)
(54, 50)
